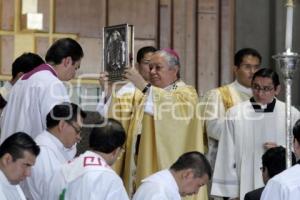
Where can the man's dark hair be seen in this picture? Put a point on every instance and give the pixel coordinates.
(17, 144)
(25, 63)
(142, 51)
(267, 73)
(107, 138)
(296, 131)
(239, 56)
(65, 111)
(63, 48)
(193, 160)
(274, 160)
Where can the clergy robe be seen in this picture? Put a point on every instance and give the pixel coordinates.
(30, 100)
(169, 125)
(237, 169)
(214, 104)
(86, 177)
(160, 185)
(284, 186)
(9, 191)
(52, 155)
(5, 90)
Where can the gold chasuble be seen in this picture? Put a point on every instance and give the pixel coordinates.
(173, 129)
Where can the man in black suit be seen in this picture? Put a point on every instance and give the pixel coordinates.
(273, 162)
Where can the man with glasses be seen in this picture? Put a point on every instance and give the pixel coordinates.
(217, 101)
(273, 163)
(251, 128)
(90, 175)
(64, 123)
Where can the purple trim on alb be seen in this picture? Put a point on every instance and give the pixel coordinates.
(42, 67)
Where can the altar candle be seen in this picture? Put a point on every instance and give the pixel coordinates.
(289, 28)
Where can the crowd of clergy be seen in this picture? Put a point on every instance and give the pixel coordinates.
(156, 140)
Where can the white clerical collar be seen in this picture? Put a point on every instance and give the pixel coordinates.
(173, 183)
(4, 179)
(58, 143)
(242, 88)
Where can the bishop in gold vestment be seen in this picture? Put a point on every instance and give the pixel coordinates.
(164, 113)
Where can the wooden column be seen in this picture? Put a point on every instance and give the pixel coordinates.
(207, 45)
(227, 10)
(165, 24)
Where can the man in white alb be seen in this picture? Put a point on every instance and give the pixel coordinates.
(217, 101)
(251, 127)
(21, 65)
(17, 155)
(36, 92)
(90, 176)
(191, 171)
(64, 124)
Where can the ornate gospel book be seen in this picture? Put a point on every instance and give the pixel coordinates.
(118, 50)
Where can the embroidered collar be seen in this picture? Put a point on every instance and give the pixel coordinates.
(257, 108)
(174, 85)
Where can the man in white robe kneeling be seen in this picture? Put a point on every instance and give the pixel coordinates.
(17, 155)
(185, 177)
(90, 175)
(64, 124)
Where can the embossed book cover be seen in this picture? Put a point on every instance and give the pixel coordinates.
(118, 48)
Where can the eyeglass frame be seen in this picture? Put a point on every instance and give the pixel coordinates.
(77, 130)
(264, 89)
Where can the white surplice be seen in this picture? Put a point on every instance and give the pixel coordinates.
(237, 169)
(104, 103)
(160, 185)
(52, 155)
(128, 88)
(86, 177)
(284, 186)
(5, 90)
(214, 113)
(9, 191)
(30, 100)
